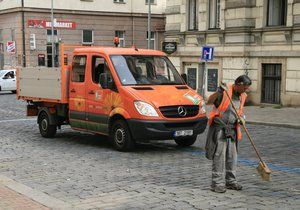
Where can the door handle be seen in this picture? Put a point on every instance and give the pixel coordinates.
(91, 92)
(73, 90)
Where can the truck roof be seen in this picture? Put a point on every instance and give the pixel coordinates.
(118, 51)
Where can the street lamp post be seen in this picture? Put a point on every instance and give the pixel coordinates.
(149, 24)
(52, 33)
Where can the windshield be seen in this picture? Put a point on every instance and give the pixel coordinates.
(145, 70)
(2, 72)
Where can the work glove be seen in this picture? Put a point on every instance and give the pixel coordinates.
(241, 121)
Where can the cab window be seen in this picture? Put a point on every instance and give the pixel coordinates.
(79, 64)
(99, 66)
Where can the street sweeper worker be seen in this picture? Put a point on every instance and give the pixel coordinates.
(224, 132)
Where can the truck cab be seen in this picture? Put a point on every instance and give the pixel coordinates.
(131, 95)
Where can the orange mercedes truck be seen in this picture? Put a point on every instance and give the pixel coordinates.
(131, 95)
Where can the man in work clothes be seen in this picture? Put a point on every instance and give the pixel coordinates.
(224, 131)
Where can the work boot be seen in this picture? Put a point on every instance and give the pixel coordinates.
(234, 186)
(218, 189)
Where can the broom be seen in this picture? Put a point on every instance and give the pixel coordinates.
(262, 169)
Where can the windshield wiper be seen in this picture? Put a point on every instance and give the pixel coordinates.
(170, 83)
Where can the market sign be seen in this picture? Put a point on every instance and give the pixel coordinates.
(47, 24)
(11, 47)
(169, 47)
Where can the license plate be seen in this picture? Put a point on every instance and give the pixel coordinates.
(183, 133)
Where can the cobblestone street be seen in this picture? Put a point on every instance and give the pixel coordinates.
(77, 170)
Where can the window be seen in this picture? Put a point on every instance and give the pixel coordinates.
(99, 66)
(214, 14)
(49, 37)
(276, 12)
(49, 32)
(119, 1)
(145, 70)
(78, 73)
(151, 2)
(9, 75)
(152, 40)
(192, 15)
(121, 35)
(87, 37)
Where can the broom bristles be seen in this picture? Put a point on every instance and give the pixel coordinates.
(264, 171)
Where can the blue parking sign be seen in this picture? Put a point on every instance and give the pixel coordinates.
(207, 53)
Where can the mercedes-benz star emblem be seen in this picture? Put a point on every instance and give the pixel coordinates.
(181, 111)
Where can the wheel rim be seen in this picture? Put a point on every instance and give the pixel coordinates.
(44, 124)
(120, 136)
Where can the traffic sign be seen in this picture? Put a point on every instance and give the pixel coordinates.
(207, 53)
(11, 47)
(169, 47)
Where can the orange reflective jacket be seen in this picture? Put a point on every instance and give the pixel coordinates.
(218, 112)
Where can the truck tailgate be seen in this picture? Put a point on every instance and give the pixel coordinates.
(42, 84)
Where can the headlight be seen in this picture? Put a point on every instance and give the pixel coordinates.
(145, 109)
(202, 106)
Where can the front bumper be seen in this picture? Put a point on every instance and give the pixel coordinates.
(142, 130)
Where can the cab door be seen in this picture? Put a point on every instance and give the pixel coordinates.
(77, 90)
(99, 101)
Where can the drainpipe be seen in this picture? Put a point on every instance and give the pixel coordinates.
(23, 35)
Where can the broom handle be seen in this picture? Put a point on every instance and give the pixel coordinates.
(246, 130)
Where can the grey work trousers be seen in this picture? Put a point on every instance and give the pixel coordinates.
(225, 157)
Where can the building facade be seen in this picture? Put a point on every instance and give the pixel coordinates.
(260, 38)
(25, 27)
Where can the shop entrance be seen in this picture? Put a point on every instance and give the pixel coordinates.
(49, 54)
(271, 83)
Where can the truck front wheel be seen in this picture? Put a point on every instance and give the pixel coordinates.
(46, 130)
(186, 141)
(121, 136)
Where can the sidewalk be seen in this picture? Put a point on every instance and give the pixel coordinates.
(283, 117)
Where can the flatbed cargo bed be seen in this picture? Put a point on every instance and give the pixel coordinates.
(43, 84)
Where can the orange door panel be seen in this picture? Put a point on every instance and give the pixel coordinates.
(77, 92)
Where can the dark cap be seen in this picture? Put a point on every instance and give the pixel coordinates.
(243, 80)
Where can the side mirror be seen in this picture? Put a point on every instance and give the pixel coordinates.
(184, 77)
(106, 81)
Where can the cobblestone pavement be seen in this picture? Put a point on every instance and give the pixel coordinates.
(82, 171)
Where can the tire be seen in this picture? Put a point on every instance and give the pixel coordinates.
(186, 141)
(46, 130)
(121, 136)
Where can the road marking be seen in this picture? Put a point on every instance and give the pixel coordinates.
(251, 163)
(17, 120)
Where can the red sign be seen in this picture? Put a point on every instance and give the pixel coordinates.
(47, 24)
(11, 47)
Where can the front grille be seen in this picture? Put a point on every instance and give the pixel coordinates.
(172, 111)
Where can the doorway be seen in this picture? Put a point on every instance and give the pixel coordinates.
(49, 55)
(271, 83)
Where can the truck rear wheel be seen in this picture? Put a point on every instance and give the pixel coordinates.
(46, 130)
(186, 141)
(121, 136)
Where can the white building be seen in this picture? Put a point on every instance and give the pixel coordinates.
(257, 37)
